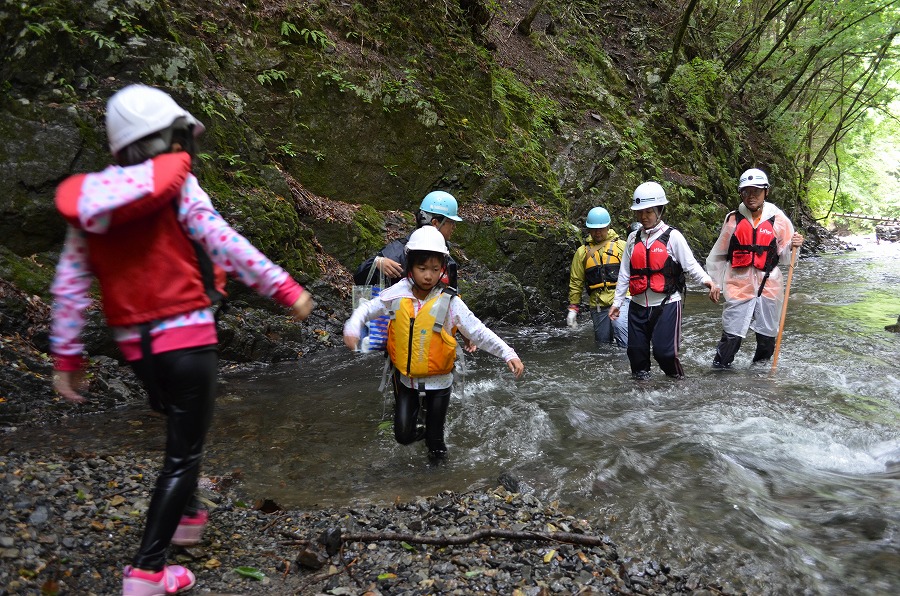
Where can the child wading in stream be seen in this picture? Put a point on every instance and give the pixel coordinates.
(149, 234)
(425, 316)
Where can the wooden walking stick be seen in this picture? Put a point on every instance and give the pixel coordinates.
(787, 292)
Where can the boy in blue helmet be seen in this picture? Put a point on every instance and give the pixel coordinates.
(595, 267)
(438, 209)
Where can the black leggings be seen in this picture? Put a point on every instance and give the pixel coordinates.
(184, 384)
(406, 414)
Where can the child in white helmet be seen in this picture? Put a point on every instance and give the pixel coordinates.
(425, 315)
(656, 258)
(754, 240)
(149, 234)
(595, 267)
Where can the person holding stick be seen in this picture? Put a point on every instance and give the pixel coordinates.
(744, 261)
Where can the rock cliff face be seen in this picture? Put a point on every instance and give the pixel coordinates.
(328, 121)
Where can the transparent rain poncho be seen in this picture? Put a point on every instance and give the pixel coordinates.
(745, 307)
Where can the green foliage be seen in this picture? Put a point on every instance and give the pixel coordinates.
(42, 21)
(869, 174)
(129, 23)
(209, 108)
(288, 150)
(316, 38)
(270, 76)
(288, 29)
(699, 87)
(337, 78)
(530, 120)
(313, 37)
(250, 572)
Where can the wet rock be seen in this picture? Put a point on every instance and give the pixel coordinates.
(509, 482)
(311, 559)
(331, 540)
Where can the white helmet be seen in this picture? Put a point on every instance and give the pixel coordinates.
(753, 177)
(427, 238)
(648, 194)
(136, 111)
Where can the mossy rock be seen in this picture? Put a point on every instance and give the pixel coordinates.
(33, 275)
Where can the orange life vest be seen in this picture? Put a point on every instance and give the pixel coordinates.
(418, 345)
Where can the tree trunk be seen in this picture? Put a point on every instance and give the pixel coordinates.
(679, 38)
(524, 26)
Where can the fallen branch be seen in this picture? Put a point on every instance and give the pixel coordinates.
(475, 536)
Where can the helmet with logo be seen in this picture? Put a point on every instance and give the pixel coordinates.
(138, 111)
(427, 239)
(441, 203)
(598, 217)
(753, 177)
(648, 194)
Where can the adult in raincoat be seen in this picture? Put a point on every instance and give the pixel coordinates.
(744, 261)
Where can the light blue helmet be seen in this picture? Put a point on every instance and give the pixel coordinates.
(439, 202)
(598, 217)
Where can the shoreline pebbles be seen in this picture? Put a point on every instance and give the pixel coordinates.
(69, 524)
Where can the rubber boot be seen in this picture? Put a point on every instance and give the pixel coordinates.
(765, 348)
(725, 351)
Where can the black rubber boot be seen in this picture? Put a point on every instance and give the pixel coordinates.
(765, 347)
(725, 351)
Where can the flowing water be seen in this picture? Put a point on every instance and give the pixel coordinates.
(771, 483)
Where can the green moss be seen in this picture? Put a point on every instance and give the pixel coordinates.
(367, 229)
(270, 223)
(32, 275)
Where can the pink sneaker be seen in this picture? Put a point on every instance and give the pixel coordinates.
(171, 580)
(190, 528)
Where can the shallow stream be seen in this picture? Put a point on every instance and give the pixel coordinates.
(771, 483)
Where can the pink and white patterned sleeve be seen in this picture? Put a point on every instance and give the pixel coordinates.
(230, 250)
(71, 298)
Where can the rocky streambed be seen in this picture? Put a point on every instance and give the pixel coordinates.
(71, 518)
(68, 524)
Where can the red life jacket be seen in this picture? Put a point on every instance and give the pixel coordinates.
(751, 246)
(652, 267)
(147, 266)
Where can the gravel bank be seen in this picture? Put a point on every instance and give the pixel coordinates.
(68, 525)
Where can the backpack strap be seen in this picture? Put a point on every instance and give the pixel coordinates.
(441, 307)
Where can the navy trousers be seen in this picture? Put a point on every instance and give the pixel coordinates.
(659, 327)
